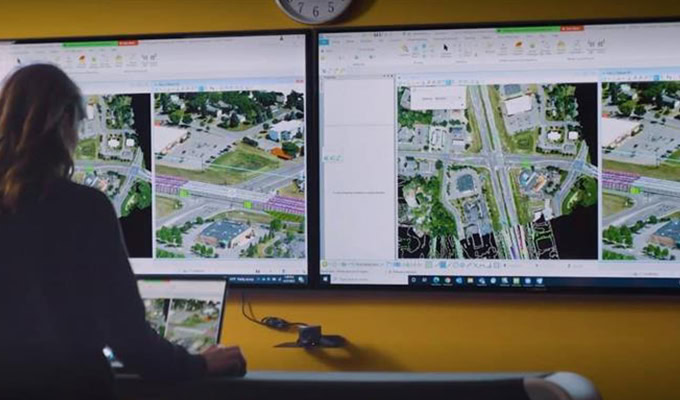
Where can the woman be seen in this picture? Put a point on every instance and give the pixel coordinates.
(66, 286)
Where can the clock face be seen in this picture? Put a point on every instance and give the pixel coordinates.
(313, 11)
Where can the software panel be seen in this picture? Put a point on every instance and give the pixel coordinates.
(508, 157)
(199, 143)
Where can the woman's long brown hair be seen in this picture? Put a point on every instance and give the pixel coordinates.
(39, 110)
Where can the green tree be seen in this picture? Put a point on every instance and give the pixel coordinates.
(252, 250)
(186, 119)
(614, 93)
(234, 121)
(295, 100)
(176, 117)
(627, 108)
(275, 225)
(439, 164)
(640, 110)
(629, 241)
(290, 148)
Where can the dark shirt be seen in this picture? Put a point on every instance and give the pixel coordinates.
(66, 291)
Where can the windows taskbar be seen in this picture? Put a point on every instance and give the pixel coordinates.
(268, 279)
(524, 282)
(539, 283)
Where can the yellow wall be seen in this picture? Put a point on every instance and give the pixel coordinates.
(629, 346)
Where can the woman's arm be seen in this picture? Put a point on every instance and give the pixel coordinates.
(119, 309)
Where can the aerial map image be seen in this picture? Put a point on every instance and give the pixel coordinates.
(230, 174)
(498, 171)
(156, 311)
(193, 324)
(641, 170)
(114, 155)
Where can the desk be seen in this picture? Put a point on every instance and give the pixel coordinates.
(372, 385)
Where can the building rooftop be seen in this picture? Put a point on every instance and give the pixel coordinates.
(287, 126)
(670, 230)
(518, 105)
(511, 90)
(613, 129)
(465, 183)
(554, 136)
(163, 136)
(224, 231)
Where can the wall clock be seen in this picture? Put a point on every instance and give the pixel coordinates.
(313, 12)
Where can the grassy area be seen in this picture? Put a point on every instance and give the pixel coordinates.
(236, 166)
(139, 197)
(87, 149)
(476, 144)
(663, 171)
(563, 176)
(675, 156)
(521, 201)
(583, 194)
(614, 204)
(241, 127)
(675, 215)
(160, 253)
(286, 217)
(610, 255)
(536, 204)
(409, 118)
(524, 142)
(495, 98)
(166, 206)
(244, 216)
(490, 200)
(262, 248)
(292, 191)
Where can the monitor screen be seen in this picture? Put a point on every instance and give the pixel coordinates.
(185, 312)
(525, 157)
(199, 142)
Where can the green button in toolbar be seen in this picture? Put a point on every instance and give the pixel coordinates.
(530, 29)
(101, 43)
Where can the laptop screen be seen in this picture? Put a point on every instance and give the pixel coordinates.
(185, 312)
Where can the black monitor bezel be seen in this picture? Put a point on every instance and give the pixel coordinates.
(310, 116)
(591, 289)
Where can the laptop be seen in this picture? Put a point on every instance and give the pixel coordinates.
(185, 312)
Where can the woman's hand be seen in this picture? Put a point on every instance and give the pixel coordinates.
(224, 361)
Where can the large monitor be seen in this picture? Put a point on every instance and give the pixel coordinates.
(199, 142)
(544, 156)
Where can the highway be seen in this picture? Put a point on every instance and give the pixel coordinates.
(487, 160)
(270, 181)
(493, 158)
(575, 171)
(501, 168)
(131, 171)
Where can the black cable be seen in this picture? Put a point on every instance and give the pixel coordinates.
(243, 311)
(269, 322)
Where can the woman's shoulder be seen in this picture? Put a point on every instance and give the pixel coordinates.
(79, 197)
